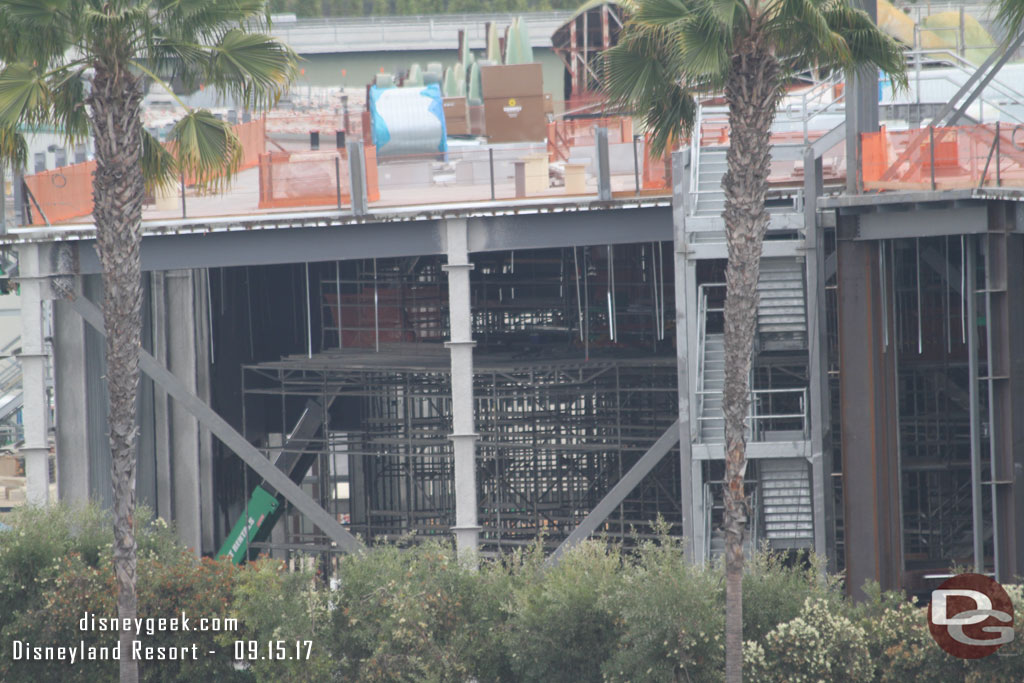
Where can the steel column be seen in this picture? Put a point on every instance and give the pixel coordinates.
(71, 404)
(1004, 284)
(690, 505)
(861, 109)
(868, 410)
(35, 289)
(467, 530)
(820, 419)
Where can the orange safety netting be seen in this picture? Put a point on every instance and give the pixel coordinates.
(657, 174)
(321, 178)
(943, 158)
(62, 193)
(66, 192)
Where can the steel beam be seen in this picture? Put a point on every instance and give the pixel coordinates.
(320, 239)
(251, 455)
(868, 410)
(618, 493)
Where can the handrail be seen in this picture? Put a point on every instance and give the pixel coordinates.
(756, 418)
(967, 68)
(702, 322)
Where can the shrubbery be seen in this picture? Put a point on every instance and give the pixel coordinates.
(417, 614)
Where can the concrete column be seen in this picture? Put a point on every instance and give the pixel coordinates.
(70, 396)
(467, 530)
(184, 428)
(35, 288)
(691, 502)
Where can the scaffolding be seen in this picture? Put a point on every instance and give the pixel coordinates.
(554, 437)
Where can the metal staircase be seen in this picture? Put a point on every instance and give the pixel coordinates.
(714, 516)
(781, 310)
(709, 199)
(712, 423)
(786, 502)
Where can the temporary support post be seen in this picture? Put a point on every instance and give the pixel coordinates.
(817, 356)
(35, 288)
(237, 443)
(690, 472)
(868, 410)
(460, 343)
(357, 177)
(604, 177)
(618, 493)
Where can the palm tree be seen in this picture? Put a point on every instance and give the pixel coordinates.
(84, 65)
(673, 51)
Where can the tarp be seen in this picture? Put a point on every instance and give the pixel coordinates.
(408, 121)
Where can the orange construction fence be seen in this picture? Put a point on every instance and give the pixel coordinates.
(943, 158)
(62, 194)
(320, 178)
(66, 192)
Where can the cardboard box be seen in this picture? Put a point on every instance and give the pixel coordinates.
(9, 466)
(511, 80)
(456, 115)
(515, 119)
(549, 104)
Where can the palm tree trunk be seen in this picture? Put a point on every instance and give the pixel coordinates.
(752, 93)
(118, 194)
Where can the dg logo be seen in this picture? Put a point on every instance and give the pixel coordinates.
(970, 616)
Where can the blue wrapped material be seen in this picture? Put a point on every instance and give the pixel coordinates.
(407, 121)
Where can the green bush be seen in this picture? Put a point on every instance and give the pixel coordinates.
(670, 618)
(559, 624)
(184, 586)
(273, 604)
(418, 614)
(820, 644)
(775, 587)
(415, 615)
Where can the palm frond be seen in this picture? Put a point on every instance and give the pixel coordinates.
(801, 27)
(13, 148)
(24, 95)
(868, 45)
(68, 99)
(642, 75)
(1011, 15)
(206, 149)
(255, 67)
(159, 167)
